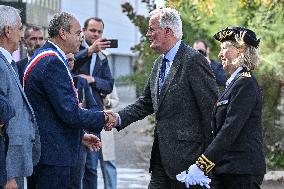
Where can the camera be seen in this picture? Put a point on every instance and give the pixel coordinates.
(203, 52)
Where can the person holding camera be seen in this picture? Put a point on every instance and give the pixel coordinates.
(92, 65)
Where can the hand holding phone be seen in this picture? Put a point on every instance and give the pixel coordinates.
(113, 43)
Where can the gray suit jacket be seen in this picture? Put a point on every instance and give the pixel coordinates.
(24, 142)
(183, 110)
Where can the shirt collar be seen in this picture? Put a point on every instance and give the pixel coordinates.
(6, 54)
(233, 76)
(172, 53)
(60, 51)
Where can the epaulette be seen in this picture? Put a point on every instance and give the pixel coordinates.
(246, 74)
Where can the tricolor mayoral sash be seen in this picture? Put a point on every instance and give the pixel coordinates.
(45, 53)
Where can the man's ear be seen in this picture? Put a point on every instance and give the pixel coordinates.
(7, 31)
(62, 33)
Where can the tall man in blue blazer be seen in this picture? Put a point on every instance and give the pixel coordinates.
(23, 147)
(49, 85)
(93, 65)
(181, 92)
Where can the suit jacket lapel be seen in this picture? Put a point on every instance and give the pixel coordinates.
(154, 82)
(173, 70)
(18, 84)
(229, 86)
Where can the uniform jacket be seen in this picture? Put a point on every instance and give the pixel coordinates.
(182, 112)
(49, 88)
(21, 65)
(103, 78)
(24, 143)
(237, 146)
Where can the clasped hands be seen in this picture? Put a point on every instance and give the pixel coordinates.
(111, 120)
(194, 176)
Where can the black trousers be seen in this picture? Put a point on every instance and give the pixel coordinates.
(159, 178)
(234, 181)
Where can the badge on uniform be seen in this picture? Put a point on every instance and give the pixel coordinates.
(246, 74)
(223, 102)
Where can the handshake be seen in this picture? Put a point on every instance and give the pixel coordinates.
(111, 120)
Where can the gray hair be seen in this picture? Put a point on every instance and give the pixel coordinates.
(249, 59)
(8, 17)
(169, 18)
(60, 20)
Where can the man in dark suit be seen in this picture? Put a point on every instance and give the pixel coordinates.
(216, 66)
(33, 40)
(49, 86)
(23, 147)
(235, 157)
(181, 92)
(92, 65)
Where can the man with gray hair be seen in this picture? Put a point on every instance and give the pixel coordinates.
(181, 92)
(22, 142)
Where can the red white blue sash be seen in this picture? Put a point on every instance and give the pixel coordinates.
(44, 53)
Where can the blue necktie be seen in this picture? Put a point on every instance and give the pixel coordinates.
(162, 75)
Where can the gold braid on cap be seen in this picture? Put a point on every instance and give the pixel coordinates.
(240, 38)
(205, 164)
(224, 34)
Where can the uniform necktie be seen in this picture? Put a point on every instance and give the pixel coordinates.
(162, 75)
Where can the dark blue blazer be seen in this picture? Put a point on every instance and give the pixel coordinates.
(60, 120)
(21, 65)
(103, 78)
(6, 113)
(85, 93)
(219, 73)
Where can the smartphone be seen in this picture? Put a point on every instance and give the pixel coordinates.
(113, 43)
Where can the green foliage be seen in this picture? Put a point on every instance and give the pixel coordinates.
(275, 158)
(268, 23)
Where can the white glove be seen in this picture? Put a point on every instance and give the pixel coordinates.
(194, 176)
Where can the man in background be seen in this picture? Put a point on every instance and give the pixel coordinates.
(33, 40)
(92, 65)
(216, 66)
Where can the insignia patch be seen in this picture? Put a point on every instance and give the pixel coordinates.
(222, 102)
(246, 74)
